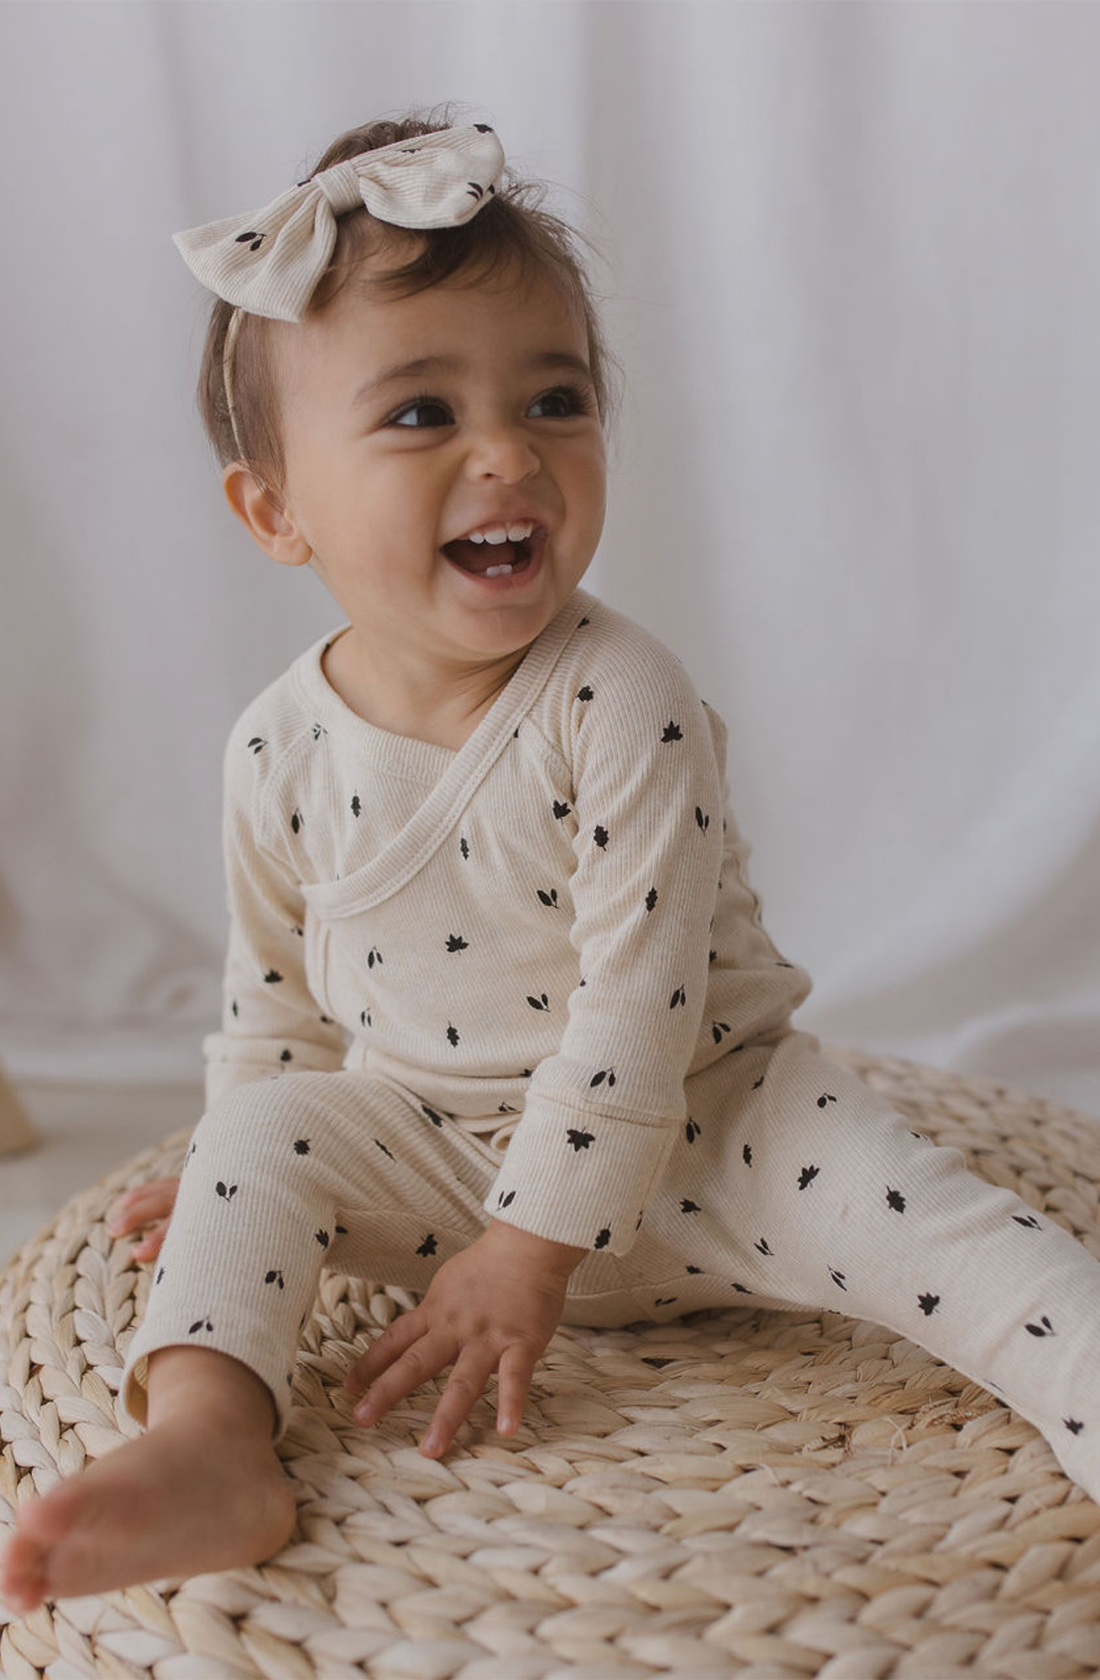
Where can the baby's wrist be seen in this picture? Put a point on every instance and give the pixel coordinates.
(540, 1251)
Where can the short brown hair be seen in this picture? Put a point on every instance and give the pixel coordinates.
(509, 230)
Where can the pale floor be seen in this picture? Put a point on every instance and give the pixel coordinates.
(84, 1132)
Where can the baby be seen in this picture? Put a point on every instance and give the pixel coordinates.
(502, 1023)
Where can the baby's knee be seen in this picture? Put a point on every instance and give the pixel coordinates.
(279, 1113)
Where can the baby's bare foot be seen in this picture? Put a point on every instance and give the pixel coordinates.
(181, 1499)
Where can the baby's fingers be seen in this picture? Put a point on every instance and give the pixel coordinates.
(513, 1381)
(151, 1243)
(142, 1204)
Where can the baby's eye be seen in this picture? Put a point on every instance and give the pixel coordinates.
(574, 399)
(417, 404)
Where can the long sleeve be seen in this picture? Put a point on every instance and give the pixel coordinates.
(271, 1023)
(601, 1114)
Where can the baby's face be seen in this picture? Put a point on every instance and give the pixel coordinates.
(384, 468)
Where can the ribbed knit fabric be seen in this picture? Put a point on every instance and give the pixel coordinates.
(529, 980)
(554, 923)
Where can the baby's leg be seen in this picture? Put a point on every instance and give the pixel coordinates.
(261, 1207)
(143, 1512)
(832, 1199)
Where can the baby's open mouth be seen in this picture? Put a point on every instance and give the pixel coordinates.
(491, 559)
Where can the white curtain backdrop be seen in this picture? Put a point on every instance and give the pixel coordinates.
(853, 263)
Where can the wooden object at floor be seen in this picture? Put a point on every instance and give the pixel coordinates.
(16, 1131)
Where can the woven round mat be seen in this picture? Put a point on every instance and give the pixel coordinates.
(739, 1492)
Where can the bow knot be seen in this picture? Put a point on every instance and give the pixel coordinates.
(341, 186)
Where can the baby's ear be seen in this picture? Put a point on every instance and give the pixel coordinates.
(264, 517)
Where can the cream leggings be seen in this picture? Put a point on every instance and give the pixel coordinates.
(791, 1184)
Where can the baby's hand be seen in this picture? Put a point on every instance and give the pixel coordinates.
(147, 1204)
(497, 1303)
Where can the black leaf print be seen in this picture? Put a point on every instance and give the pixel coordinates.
(602, 1237)
(550, 899)
(506, 1108)
(503, 1200)
(895, 1200)
(474, 190)
(746, 1154)
(326, 1020)
(1035, 1330)
(322, 1238)
(301, 1146)
(693, 1268)
(712, 956)
(688, 1206)
(561, 809)
(159, 1275)
(297, 821)
(428, 1246)
(356, 806)
(286, 1056)
(679, 998)
(763, 1248)
(604, 1073)
(1073, 1425)
(464, 847)
(583, 622)
(718, 1028)
(341, 1230)
(301, 932)
(756, 1084)
(455, 942)
(703, 822)
(233, 1010)
(452, 1033)
(664, 1300)
(374, 955)
(584, 693)
(199, 1324)
(432, 1115)
(364, 1018)
(580, 1140)
(638, 1221)
(807, 1176)
(838, 1279)
(483, 128)
(319, 730)
(257, 743)
(1030, 1221)
(672, 732)
(928, 1304)
(243, 238)
(541, 1002)
(821, 1101)
(275, 1277)
(741, 1289)
(691, 1130)
(600, 836)
(228, 1194)
(272, 977)
(651, 898)
(383, 1148)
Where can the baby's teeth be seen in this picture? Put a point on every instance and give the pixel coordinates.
(498, 534)
(497, 571)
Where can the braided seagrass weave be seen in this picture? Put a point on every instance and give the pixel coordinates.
(738, 1492)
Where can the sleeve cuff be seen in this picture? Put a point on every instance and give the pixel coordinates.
(580, 1178)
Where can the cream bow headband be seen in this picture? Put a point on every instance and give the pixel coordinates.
(270, 261)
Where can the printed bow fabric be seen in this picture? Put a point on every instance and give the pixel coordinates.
(269, 261)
